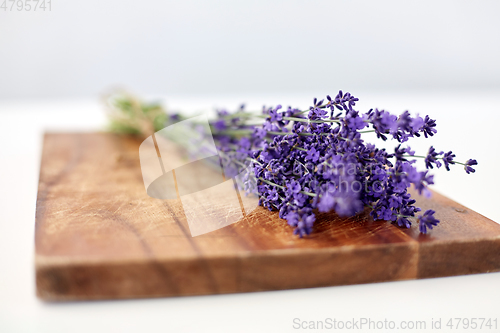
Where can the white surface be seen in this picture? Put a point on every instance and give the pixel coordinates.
(196, 46)
(467, 124)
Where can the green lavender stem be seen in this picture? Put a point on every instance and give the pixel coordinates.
(438, 158)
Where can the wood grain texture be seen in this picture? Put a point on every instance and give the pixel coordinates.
(100, 236)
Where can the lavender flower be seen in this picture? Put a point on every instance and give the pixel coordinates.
(448, 159)
(468, 167)
(432, 158)
(428, 128)
(220, 125)
(427, 221)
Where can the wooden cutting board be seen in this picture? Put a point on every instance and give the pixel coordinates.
(100, 236)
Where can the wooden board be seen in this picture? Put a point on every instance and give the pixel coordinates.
(100, 236)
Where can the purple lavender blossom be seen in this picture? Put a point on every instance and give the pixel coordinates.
(220, 125)
(427, 221)
(448, 159)
(428, 128)
(468, 167)
(312, 155)
(432, 158)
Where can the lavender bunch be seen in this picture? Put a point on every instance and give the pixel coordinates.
(315, 160)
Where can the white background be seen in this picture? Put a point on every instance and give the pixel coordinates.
(166, 47)
(437, 58)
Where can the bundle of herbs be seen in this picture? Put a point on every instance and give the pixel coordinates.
(305, 161)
